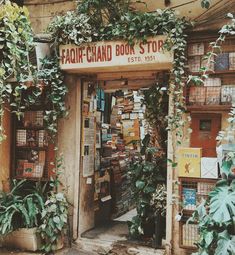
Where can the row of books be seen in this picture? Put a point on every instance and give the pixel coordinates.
(32, 119)
(223, 62)
(193, 194)
(32, 138)
(211, 95)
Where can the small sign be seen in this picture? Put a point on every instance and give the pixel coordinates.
(116, 56)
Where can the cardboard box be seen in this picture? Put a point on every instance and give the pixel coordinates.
(189, 162)
(209, 168)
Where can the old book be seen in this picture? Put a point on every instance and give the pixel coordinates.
(228, 94)
(213, 95)
(197, 95)
(21, 137)
(189, 162)
(222, 62)
(196, 49)
(232, 61)
(194, 64)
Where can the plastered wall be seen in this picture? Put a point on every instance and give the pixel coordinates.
(5, 154)
(69, 148)
(42, 11)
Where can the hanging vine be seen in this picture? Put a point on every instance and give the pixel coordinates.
(18, 75)
(80, 26)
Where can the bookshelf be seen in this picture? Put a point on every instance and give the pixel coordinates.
(191, 192)
(32, 150)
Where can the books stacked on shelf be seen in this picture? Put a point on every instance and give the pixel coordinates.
(31, 138)
(33, 119)
(31, 164)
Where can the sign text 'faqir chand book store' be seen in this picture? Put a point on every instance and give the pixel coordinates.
(116, 56)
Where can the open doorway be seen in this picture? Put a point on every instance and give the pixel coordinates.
(114, 125)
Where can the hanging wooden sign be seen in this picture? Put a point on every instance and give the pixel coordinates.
(116, 56)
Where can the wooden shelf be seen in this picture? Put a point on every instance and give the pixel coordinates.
(31, 148)
(204, 108)
(31, 128)
(214, 72)
(31, 178)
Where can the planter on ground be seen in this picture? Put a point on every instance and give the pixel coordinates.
(23, 238)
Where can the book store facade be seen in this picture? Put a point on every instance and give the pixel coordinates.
(106, 82)
(113, 75)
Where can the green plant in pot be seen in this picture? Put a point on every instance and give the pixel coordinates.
(146, 172)
(33, 209)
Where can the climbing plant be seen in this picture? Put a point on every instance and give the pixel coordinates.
(16, 40)
(18, 75)
(121, 22)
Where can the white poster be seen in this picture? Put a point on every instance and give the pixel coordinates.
(88, 146)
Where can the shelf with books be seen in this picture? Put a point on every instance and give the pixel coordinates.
(192, 191)
(32, 151)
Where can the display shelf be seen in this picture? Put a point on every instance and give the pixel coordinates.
(191, 193)
(43, 179)
(31, 148)
(214, 72)
(32, 153)
(203, 108)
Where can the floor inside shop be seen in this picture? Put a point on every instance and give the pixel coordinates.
(116, 230)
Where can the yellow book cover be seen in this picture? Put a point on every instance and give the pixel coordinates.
(189, 162)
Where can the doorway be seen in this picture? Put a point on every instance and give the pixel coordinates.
(113, 125)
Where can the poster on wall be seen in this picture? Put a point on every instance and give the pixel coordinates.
(88, 146)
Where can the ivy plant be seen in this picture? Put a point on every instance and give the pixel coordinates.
(15, 44)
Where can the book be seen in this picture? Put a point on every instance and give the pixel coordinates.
(189, 198)
(213, 95)
(227, 94)
(232, 61)
(222, 62)
(209, 168)
(197, 95)
(196, 49)
(189, 162)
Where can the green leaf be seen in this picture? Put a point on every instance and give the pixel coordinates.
(140, 184)
(222, 203)
(225, 245)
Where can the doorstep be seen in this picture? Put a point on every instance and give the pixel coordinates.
(107, 246)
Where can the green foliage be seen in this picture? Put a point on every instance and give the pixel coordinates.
(16, 44)
(20, 209)
(54, 220)
(145, 174)
(55, 93)
(156, 102)
(215, 218)
(16, 40)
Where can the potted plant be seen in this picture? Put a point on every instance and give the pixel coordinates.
(20, 214)
(146, 172)
(158, 205)
(33, 218)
